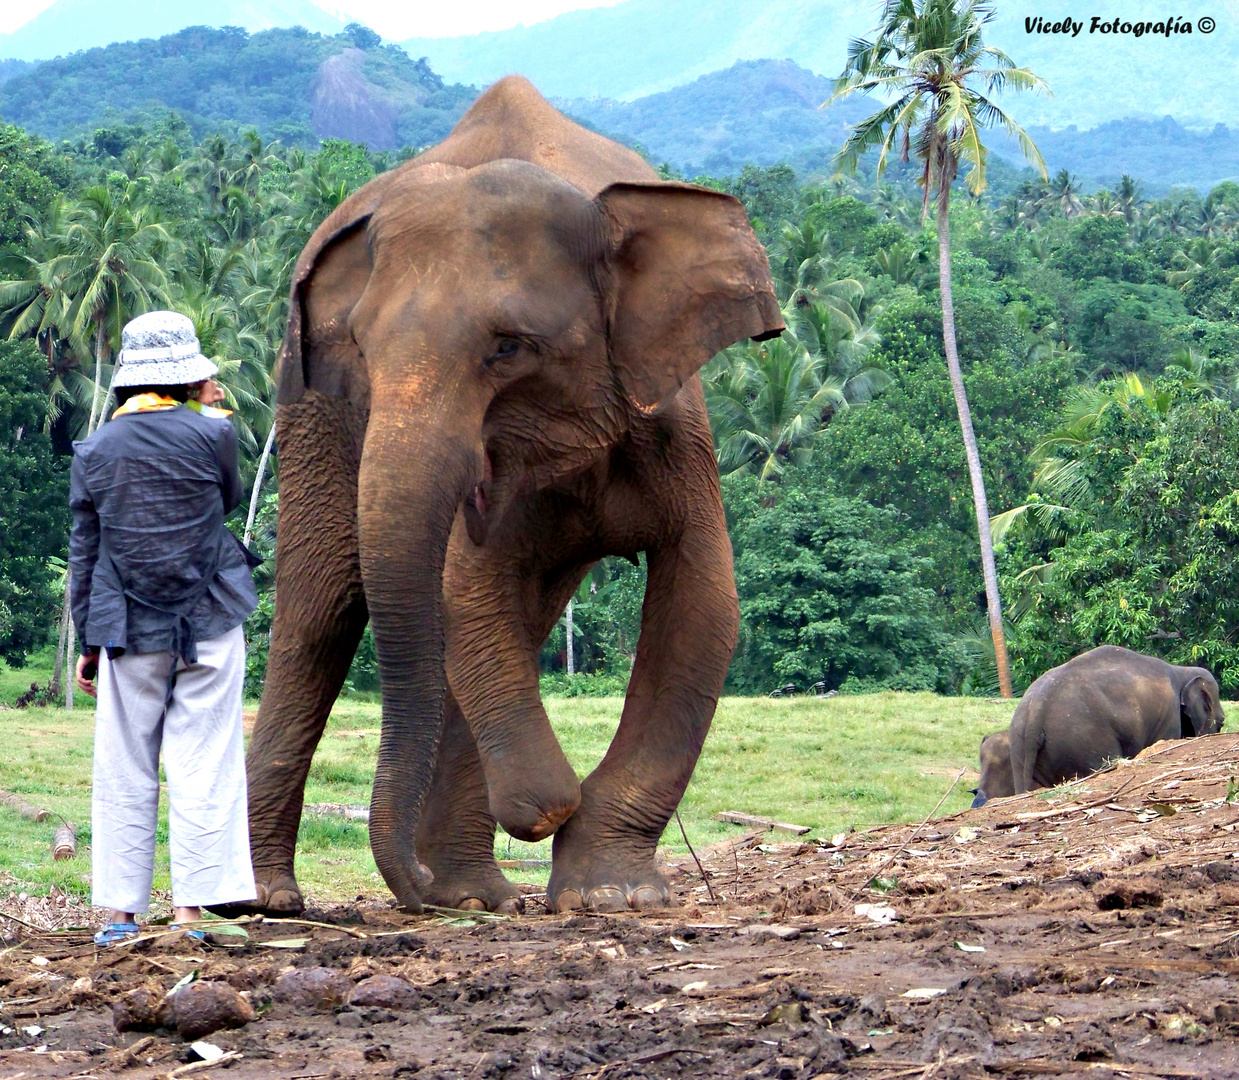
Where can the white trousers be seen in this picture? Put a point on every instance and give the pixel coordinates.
(204, 759)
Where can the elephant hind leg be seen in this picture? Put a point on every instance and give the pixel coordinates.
(456, 832)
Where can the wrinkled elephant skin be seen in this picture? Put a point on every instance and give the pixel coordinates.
(489, 383)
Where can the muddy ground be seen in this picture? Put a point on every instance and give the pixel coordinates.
(1093, 931)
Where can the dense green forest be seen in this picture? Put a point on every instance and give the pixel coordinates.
(1099, 338)
(278, 82)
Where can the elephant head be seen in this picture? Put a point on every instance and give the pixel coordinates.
(997, 779)
(1200, 708)
(502, 327)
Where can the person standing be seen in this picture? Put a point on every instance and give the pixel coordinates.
(160, 589)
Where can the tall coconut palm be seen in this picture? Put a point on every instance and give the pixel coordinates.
(116, 245)
(1129, 198)
(35, 297)
(929, 58)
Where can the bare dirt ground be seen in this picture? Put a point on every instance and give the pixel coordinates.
(1092, 931)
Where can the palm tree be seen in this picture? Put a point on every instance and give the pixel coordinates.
(769, 400)
(1064, 194)
(33, 294)
(1193, 259)
(928, 57)
(1129, 198)
(116, 244)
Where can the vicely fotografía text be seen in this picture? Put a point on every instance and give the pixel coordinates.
(1099, 24)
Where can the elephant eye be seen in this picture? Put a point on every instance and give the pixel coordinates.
(505, 349)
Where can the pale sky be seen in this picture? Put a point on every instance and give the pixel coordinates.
(396, 19)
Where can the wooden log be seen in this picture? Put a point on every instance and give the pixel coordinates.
(17, 803)
(734, 817)
(523, 864)
(64, 843)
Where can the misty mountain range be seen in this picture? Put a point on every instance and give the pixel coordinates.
(674, 76)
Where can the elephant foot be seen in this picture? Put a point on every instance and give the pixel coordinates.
(607, 888)
(474, 889)
(532, 803)
(278, 895)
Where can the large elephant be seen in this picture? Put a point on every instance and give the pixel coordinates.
(488, 383)
(1107, 703)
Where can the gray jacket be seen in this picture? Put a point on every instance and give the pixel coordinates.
(154, 568)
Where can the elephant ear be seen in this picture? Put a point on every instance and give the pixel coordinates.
(688, 278)
(331, 274)
(1198, 710)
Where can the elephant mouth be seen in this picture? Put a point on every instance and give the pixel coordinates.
(477, 503)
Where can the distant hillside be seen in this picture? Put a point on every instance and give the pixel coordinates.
(289, 84)
(1162, 153)
(70, 25)
(766, 112)
(642, 47)
(759, 111)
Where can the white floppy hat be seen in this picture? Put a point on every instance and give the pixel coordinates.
(160, 348)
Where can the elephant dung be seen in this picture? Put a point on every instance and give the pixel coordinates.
(318, 988)
(137, 1009)
(384, 992)
(1134, 893)
(205, 1007)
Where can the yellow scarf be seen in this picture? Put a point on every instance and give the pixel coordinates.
(146, 403)
(157, 402)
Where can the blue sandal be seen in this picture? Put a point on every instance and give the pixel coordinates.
(194, 935)
(115, 933)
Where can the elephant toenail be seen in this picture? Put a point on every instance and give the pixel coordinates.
(647, 897)
(513, 905)
(471, 903)
(607, 899)
(569, 900)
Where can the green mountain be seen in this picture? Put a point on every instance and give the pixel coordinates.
(70, 25)
(289, 84)
(766, 112)
(756, 111)
(642, 47)
(302, 87)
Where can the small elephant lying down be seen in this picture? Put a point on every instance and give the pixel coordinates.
(1105, 704)
(997, 780)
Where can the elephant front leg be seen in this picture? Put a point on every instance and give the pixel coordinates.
(456, 832)
(604, 855)
(495, 625)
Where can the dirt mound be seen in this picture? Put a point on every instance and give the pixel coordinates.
(1088, 931)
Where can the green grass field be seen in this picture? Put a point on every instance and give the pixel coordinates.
(830, 764)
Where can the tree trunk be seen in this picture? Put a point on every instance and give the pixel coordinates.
(65, 616)
(568, 628)
(258, 478)
(94, 397)
(70, 664)
(980, 502)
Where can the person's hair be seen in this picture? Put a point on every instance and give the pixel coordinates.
(177, 393)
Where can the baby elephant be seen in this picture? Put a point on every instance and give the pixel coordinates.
(997, 780)
(1105, 704)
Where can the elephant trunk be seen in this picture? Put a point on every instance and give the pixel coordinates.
(413, 476)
